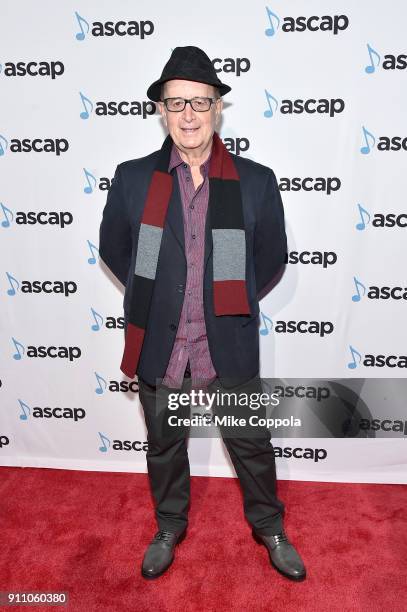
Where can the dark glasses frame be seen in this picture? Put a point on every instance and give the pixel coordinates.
(190, 102)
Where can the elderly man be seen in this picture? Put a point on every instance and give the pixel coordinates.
(196, 234)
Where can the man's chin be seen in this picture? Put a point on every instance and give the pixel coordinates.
(191, 143)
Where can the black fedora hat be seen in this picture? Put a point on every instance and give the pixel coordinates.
(190, 64)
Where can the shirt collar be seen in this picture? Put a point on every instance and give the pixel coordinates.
(176, 160)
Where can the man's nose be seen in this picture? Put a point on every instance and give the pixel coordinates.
(188, 113)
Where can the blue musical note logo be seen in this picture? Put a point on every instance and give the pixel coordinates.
(103, 438)
(356, 297)
(81, 35)
(93, 249)
(367, 136)
(86, 104)
(3, 148)
(264, 331)
(26, 410)
(102, 384)
(14, 284)
(90, 178)
(17, 344)
(352, 364)
(96, 326)
(6, 222)
(363, 214)
(372, 54)
(270, 100)
(272, 30)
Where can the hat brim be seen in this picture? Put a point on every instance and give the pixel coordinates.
(154, 91)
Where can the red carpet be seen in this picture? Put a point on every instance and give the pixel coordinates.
(85, 533)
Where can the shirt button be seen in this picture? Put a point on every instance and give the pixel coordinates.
(189, 292)
(193, 236)
(173, 326)
(188, 320)
(188, 178)
(191, 206)
(185, 165)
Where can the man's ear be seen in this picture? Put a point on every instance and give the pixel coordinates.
(219, 110)
(161, 108)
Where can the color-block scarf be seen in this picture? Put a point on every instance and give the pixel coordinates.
(229, 245)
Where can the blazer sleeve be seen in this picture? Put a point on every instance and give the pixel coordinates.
(115, 239)
(270, 239)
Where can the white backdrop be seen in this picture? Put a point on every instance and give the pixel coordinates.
(339, 157)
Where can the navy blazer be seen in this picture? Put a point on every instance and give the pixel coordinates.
(233, 339)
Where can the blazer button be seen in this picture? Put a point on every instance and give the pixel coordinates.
(173, 327)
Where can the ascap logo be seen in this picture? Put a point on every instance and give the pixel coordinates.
(91, 182)
(376, 361)
(382, 143)
(309, 392)
(389, 62)
(115, 386)
(38, 145)
(316, 454)
(327, 185)
(111, 108)
(54, 352)
(239, 65)
(100, 322)
(327, 23)
(323, 106)
(50, 69)
(122, 445)
(322, 328)
(34, 217)
(65, 288)
(377, 293)
(316, 258)
(112, 28)
(37, 412)
(386, 425)
(380, 220)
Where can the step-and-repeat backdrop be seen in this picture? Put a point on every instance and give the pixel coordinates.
(319, 95)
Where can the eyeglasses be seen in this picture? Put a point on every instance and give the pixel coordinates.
(176, 105)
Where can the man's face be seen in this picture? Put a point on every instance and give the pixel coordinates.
(190, 130)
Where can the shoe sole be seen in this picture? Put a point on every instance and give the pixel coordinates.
(299, 578)
(152, 577)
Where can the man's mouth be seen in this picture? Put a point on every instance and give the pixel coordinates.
(189, 130)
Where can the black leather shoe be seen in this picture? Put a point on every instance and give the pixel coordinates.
(160, 553)
(283, 555)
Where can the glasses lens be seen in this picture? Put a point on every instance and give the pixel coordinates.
(175, 104)
(201, 104)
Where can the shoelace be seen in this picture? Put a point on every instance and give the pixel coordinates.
(164, 535)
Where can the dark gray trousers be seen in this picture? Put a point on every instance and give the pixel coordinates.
(251, 453)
